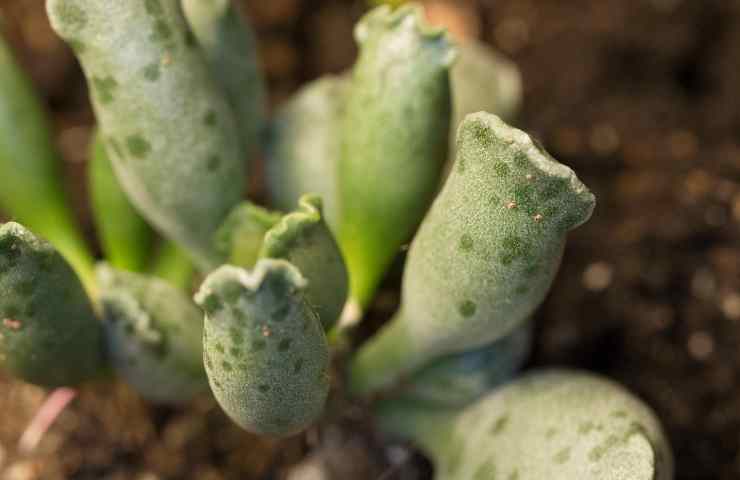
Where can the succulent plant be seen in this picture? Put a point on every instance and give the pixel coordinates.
(556, 424)
(179, 106)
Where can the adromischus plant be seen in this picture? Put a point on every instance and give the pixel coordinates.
(179, 106)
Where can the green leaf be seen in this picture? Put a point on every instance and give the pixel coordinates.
(49, 334)
(125, 237)
(30, 168)
(305, 146)
(394, 139)
(154, 335)
(303, 239)
(240, 237)
(554, 424)
(266, 355)
(168, 129)
(485, 256)
(231, 50)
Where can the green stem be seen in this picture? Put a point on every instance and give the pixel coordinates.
(174, 265)
(383, 360)
(429, 427)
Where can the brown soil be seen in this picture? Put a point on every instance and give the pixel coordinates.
(638, 96)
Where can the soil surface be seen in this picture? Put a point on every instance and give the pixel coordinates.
(638, 96)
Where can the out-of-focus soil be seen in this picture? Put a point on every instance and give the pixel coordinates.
(638, 96)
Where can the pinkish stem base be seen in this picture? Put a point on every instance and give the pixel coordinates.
(45, 417)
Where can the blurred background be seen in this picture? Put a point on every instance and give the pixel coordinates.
(640, 97)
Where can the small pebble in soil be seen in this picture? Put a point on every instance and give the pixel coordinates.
(598, 276)
(701, 345)
(731, 306)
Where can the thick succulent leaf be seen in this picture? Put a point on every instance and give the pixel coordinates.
(231, 50)
(169, 131)
(154, 335)
(305, 146)
(459, 379)
(240, 237)
(303, 239)
(486, 254)
(30, 169)
(124, 236)
(49, 334)
(394, 139)
(483, 80)
(266, 355)
(551, 424)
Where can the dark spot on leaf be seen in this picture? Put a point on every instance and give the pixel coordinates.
(501, 169)
(138, 146)
(500, 424)
(264, 388)
(151, 72)
(236, 336)
(466, 243)
(213, 162)
(467, 308)
(153, 7)
(562, 456)
(227, 366)
(297, 365)
(105, 88)
(284, 344)
(162, 32)
(210, 119)
(212, 304)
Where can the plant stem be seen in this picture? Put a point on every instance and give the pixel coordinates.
(383, 359)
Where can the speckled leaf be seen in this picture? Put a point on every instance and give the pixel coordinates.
(552, 424)
(394, 139)
(169, 131)
(231, 50)
(124, 236)
(49, 334)
(305, 146)
(304, 239)
(266, 355)
(485, 255)
(30, 169)
(240, 237)
(460, 379)
(154, 335)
